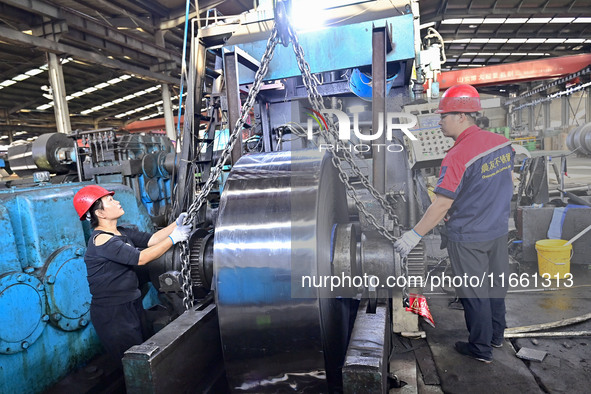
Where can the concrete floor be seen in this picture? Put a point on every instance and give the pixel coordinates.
(566, 367)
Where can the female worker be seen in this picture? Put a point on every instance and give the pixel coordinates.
(116, 309)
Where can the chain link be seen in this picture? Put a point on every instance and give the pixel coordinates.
(317, 103)
(215, 173)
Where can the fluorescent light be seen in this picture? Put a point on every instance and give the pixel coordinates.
(497, 40)
(479, 40)
(555, 40)
(561, 20)
(117, 101)
(494, 20)
(471, 21)
(86, 112)
(21, 77)
(539, 20)
(105, 105)
(516, 20)
(129, 97)
(582, 19)
(140, 93)
(101, 85)
(460, 41)
(114, 81)
(451, 21)
(8, 82)
(517, 40)
(124, 77)
(78, 94)
(536, 40)
(575, 40)
(518, 54)
(44, 107)
(98, 107)
(34, 72)
(90, 90)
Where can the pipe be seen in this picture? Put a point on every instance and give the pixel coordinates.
(548, 334)
(545, 326)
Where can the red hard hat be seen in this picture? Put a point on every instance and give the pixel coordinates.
(459, 98)
(87, 196)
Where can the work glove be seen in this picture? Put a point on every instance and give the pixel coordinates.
(407, 242)
(179, 221)
(180, 234)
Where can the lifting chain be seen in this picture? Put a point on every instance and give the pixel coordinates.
(317, 103)
(215, 173)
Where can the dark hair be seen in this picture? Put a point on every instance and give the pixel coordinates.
(98, 204)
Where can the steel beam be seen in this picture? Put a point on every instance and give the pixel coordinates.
(92, 57)
(91, 27)
(58, 87)
(185, 356)
(378, 72)
(366, 364)
(233, 94)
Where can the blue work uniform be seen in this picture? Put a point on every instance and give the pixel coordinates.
(116, 309)
(477, 174)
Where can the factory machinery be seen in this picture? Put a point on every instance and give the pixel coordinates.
(303, 191)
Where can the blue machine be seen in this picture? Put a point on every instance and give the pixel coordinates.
(45, 328)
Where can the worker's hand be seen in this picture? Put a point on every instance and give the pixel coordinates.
(407, 242)
(180, 234)
(179, 221)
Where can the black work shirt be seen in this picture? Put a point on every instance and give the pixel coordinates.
(111, 277)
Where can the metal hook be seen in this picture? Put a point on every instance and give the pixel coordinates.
(282, 21)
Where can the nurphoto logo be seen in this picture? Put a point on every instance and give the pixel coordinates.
(393, 122)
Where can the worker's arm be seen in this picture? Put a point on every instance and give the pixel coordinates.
(434, 214)
(436, 211)
(163, 234)
(168, 238)
(156, 250)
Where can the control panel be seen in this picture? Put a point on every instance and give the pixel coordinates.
(431, 145)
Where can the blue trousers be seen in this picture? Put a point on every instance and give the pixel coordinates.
(484, 268)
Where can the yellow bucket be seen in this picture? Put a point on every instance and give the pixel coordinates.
(554, 257)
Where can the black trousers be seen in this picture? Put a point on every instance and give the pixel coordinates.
(484, 268)
(119, 327)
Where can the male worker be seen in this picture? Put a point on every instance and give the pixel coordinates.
(473, 194)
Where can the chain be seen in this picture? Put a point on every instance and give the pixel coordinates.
(201, 198)
(317, 103)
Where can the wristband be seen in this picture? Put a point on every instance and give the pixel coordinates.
(419, 235)
(171, 239)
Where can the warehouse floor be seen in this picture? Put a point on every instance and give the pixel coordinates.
(566, 366)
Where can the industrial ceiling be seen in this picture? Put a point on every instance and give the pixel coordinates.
(117, 53)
